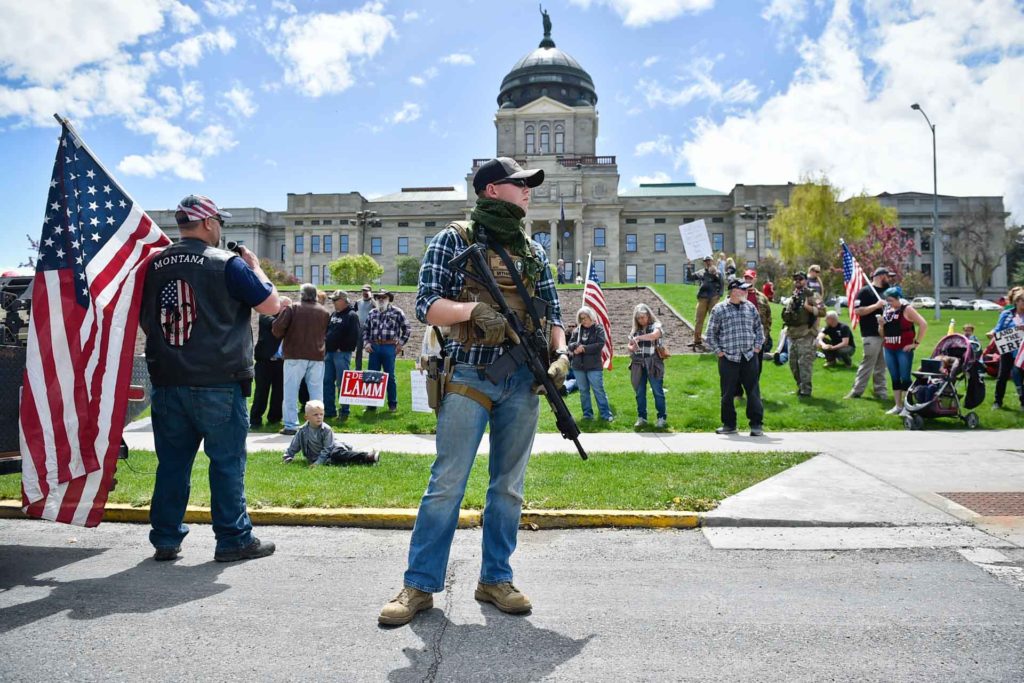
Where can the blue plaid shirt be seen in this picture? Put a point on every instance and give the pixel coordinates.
(438, 281)
(389, 325)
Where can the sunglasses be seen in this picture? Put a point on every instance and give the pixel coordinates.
(218, 218)
(518, 182)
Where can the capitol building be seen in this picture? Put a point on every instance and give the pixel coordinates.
(547, 118)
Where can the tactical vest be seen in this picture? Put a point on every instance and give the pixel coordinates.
(464, 332)
(196, 333)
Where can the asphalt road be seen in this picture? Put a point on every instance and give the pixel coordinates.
(87, 605)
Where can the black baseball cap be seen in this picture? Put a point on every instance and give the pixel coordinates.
(799, 275)
(738, 284)
(504, 168)
(881, 271)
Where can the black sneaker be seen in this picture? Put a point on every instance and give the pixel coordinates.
(165, 554)
(287, 431)
(725, 430)
(253, 551)
(756, 431)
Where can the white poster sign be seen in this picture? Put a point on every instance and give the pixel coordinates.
(695, 240)
(418, 384)
(1009, 340)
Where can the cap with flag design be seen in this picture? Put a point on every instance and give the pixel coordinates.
(196, 207)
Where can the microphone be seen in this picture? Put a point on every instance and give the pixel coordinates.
(235, 247)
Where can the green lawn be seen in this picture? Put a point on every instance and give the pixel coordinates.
(619, 481)
(692, 393)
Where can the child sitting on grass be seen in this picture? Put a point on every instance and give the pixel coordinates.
(316, 442)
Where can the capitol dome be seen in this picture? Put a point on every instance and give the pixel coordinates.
(547, 71)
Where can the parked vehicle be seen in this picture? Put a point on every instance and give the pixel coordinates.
(985, 305)
(922, 302)
(957, 304)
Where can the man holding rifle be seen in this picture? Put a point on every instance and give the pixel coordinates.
(478, 336)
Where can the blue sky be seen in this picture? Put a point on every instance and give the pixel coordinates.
(247, 100)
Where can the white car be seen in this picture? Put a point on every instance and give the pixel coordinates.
(985, 305)
(922, 302)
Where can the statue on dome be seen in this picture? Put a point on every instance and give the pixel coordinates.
(547, 21)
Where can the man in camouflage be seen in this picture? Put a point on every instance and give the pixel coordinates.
(801, 318)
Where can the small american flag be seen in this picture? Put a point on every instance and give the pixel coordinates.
(86, 294)
(1019, 361)
(177, 312)
(855, 279)
(594, 297)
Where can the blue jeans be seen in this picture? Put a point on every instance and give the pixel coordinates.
(460, 426)
(592, 379)
(336, 363)
(899, 364)
(294, 372)
(657, 389)
(182, 417)
(382, 357)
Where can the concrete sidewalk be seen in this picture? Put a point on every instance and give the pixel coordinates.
(887, 486)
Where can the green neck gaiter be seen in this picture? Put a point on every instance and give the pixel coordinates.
(504, 224)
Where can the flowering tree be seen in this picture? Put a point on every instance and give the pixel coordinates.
(884, 245)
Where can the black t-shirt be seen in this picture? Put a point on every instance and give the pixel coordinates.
(868, 323)
(835, 335)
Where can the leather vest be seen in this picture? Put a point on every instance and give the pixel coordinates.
(464, 332)
(196, 333)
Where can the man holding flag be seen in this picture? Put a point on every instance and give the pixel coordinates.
(864, 304)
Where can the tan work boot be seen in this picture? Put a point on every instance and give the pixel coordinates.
(504, 596)
(404, 606)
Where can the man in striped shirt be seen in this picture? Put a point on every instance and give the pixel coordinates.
(736, 335)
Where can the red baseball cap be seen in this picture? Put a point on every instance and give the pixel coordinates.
(750, 273)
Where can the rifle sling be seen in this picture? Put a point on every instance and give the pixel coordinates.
(518, 281)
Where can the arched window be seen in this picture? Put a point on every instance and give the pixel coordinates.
(559, 139)
(529, 140)
(545, 140)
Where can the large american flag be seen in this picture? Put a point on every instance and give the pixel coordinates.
(594, 297)
(86, 297)
(855, 279)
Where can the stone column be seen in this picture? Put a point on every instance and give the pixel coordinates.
(555, 241)
(307, 248)
(577, 240)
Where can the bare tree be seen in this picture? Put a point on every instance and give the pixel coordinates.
(979, 241)
(33, 246)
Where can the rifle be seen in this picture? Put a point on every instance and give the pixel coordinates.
(532, 347)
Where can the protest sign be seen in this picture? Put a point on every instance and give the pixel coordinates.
(418, 384)
(1009, 340)
(695, 240)
(363, 388)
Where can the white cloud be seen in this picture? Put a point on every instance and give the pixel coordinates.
(657, 177)
(239, 101)
(284, 6)
(176, 150)
(847, 110)
(225, 8)
(651, 61)
(319, 50)
(661, 145)
(458, 59)
(699, 84)
(637, 13)
(421, 79)
(34, 36)
(409, 112)
(188, 52)
(410, 15)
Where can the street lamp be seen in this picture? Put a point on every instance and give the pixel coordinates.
(364, 219)
(937, 270)
(561, 252)
(756, 214)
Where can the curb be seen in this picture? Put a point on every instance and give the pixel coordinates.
(405, 518)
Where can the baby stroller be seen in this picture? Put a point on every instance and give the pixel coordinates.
(947, 381)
